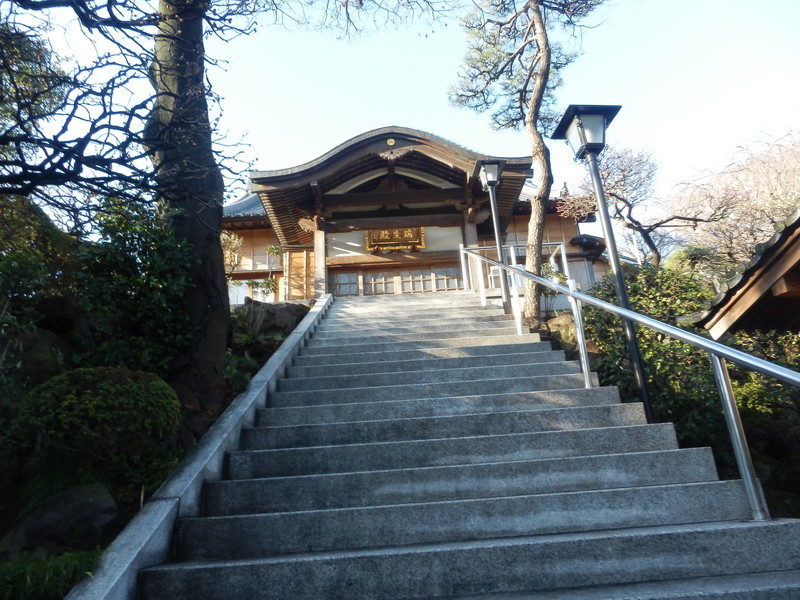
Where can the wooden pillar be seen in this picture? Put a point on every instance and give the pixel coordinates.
(320, 267)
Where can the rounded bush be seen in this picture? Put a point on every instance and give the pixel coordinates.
(109, 421)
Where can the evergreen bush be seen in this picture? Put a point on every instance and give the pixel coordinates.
(109, 423)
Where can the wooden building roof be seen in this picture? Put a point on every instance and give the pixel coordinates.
(766, 293)
(385, 178)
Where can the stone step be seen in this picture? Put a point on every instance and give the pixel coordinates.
(544, 562)
(521, 359)
(492, 423)
(378, 324)
(450, 451)
(458, 374)
(420, 314)
(469, 481)
(394, 329)
(434, 407)
(768, 585)
(273, 534)
(413, 320)
(421, 345)
(411, 311)
(478, 347)
(425, 390)
(365, 305)
(356, 343)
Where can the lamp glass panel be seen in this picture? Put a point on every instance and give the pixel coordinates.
(595, 128)
(490, 173)
(574, 138)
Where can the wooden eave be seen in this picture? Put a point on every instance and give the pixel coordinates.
(764, 296)
(245, 223)
(437, 176)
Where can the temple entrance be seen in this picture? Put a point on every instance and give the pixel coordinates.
(363, 282)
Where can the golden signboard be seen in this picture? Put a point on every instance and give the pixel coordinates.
(399, 238)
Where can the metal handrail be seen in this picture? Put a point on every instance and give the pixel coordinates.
(718, 352)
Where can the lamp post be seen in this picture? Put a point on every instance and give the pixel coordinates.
(584, 128)
(490, 176)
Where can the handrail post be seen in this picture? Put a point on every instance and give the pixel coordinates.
(465, 276)
(755, 496)
(481, 283)
(580, 335)
(515, 307)
(564, 262)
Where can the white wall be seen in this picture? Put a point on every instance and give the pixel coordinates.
(345, 244)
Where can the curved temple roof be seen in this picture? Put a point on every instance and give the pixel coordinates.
(765, 294)
(385, 173)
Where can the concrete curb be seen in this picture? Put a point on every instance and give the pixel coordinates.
(147, 539)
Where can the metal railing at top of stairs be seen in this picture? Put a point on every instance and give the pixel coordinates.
(474, 263)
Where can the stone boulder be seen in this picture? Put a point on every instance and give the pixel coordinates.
(72, 520)
(269, 317)
(562, 328)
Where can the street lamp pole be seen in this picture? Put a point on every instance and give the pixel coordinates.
(490, 176)
(584, 128)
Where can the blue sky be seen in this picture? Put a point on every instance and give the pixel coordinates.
(697, 80)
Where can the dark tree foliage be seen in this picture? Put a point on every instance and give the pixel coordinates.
(511, 68)
(106, 138)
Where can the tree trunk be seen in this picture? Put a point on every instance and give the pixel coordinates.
(542, 177)
(190, 185)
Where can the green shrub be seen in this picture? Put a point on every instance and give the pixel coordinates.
(760, 393)
(132, 284)
(108, 422)
(34, 579)
(680, 382)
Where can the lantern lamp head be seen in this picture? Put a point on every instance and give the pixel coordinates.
(490, 174)
(584, 127)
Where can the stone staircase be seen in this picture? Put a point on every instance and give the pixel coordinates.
(418, 448)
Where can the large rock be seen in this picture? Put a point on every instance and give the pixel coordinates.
(71, 520)
(562, 329)
(268, 317)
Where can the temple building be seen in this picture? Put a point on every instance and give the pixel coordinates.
(384, 213)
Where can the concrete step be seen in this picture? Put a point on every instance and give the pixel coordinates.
(411, 311)
(434, 407)
(428, 364)
(478, 449)
(545, 562)
(355, 343)
(492, 423)
(458, 482)
(769, 585)
(434, 318)
(474, 348)
(273, 534)
(422, 345)
(425, 390)
(364, 305)
(455, 374)
(392, 326)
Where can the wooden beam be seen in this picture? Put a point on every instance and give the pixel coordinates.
(787, 286)
(316, 192)
(345, 225)
(392, 198)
